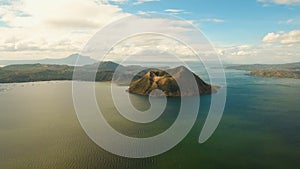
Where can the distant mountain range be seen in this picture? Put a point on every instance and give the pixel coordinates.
(62, 69)
(287, 70)
(254, 67)
(70, 60)
(142, 80)
(46, 72)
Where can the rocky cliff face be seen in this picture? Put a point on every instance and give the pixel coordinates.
(159, 82)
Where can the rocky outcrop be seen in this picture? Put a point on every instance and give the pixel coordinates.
(160, 82)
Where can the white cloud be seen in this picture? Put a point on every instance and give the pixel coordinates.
(281, 2)
(147, 43)
(174, 11)
(53, 28)
(283, 38)
(215, 20)
(289, 21)
(119, 1)
(263, 53)
(138, 2)
(278, 48)
(57, 28)
(107, 2)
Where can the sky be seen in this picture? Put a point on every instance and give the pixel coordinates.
(241, 31)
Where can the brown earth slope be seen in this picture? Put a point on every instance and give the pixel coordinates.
(160, 79)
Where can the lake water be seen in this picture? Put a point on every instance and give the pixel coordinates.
(259, 129)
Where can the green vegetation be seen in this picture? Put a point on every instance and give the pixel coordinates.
(289, 70)
(276, 73)
(254, 67)
(45, 72)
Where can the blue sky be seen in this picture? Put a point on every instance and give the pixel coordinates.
(245, 21)
(243, 31)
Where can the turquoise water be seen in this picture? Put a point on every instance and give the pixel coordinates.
(259, 129)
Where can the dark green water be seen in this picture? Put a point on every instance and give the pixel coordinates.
(259, 129)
